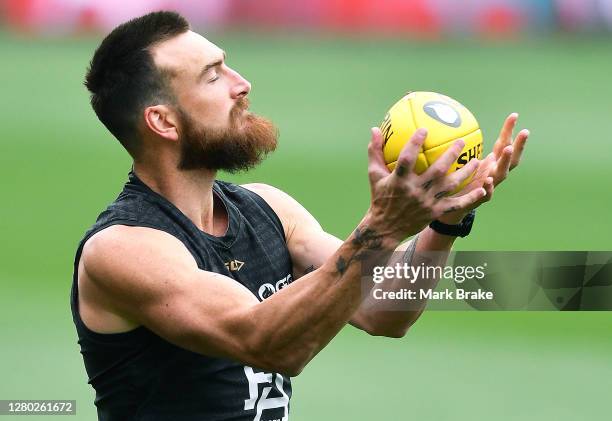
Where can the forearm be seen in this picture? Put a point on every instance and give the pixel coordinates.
(294, 324)
(373, 313)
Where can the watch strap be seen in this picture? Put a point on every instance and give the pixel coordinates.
(461, 229)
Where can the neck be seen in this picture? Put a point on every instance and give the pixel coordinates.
(190, 191)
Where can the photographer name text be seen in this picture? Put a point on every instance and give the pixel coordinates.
(429, 294)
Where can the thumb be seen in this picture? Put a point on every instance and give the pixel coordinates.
(377, 168)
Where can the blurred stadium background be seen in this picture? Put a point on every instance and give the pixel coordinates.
(326, 71)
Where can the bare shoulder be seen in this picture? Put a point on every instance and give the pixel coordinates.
(275, 197)
(120, 263)
(132, 276)
(120, 248)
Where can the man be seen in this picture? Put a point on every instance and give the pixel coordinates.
(196, 299)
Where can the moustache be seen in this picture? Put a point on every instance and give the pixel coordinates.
(241, 105)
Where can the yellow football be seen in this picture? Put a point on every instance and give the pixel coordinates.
(445, 119)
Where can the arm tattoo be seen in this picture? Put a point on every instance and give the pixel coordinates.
(365, 238)
(409, 253)
(341, 265)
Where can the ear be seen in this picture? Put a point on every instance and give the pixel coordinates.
(161, 120)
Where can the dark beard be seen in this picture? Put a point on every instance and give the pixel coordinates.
(240, 147)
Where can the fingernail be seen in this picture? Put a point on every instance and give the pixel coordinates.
(422, 132)
(515, 115)
(461, 142)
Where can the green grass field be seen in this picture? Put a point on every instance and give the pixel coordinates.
(59, 168)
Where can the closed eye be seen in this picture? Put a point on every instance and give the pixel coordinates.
(211, 66)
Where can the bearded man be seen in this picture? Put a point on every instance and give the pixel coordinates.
(197, 299)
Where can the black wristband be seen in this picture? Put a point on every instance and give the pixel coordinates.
(462, 229)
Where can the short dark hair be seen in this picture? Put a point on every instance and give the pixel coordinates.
(122, 77)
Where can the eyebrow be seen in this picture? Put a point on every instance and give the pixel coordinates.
(211, 65)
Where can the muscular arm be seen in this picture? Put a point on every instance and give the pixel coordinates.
(151, 278)
(310, 246)
(148, 277)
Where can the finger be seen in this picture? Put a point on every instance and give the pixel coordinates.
(489, 187)
(444, 162)
(503, 165)
(488, 165)
(519, 146)
(466, 201)
(505, 135)
(377, 168)
(409, 153)
(490, 159)
(455, 179)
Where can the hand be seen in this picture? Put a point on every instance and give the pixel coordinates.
(495, 167)
(403, 202)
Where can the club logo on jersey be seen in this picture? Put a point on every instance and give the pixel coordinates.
(267, 289)
(267, 396)
(443, 112)
(234, 265)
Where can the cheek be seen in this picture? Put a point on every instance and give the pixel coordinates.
(208, 104)
(214, 114)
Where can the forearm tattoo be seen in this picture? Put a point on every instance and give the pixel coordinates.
(366, 240)
(342, 265)
(409, 253)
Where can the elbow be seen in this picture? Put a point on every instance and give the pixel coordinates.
(390, 325)
(384, 328)
(293, 366)
(389, 331)
(286, 361)
(287, 366)
(291, 369)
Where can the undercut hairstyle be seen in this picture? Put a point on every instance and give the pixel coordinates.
(123, 79)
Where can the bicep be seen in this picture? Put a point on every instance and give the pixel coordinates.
(151, 278)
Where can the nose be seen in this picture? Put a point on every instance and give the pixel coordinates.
(241, 87)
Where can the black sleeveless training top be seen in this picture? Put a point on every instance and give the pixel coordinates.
(137, 375)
